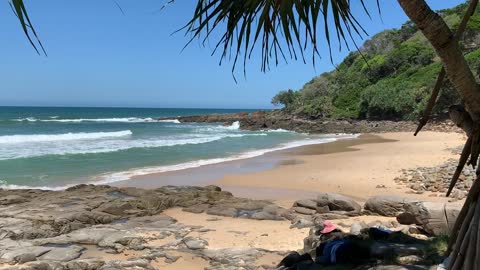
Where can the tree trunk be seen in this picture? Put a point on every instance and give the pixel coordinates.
(443, 41)
(464, 247)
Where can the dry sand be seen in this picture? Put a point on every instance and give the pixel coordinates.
(351, 167)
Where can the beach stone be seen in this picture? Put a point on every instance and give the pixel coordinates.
(337, 202)
(389, 206)
(24, 258)
(222, 211)
(303, 210)
(263, 215)
(311, 204)
(301, 222)
(195, 243)
(356, 229)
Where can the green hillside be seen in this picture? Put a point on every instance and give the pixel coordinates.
(392, 80)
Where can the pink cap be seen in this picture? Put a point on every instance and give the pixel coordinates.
(328, 227)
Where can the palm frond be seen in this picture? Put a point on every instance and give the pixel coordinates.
(284, 28)
(18, 8)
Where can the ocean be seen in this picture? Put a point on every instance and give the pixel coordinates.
(55, 147)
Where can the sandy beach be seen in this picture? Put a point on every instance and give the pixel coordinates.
(353, 167)
(359, 168)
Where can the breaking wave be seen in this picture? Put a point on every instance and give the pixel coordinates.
(114, 120)
(18, 139)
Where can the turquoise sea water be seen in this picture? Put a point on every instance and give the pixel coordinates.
(58, 147)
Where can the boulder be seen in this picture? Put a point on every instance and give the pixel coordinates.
(434, 218)
(389, 206)
(338, 202)
(195, 243)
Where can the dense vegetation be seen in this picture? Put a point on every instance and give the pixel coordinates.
(391, 77)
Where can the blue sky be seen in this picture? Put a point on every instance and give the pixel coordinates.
(98, 56)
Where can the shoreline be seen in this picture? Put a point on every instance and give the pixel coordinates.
(210, 173)
(269, 153)
(241, 175)
(360, 167)
(263, 159)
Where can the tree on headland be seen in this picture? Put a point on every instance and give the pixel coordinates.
(286, 28)
(285, 98)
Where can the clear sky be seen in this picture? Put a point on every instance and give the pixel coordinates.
(98, 56)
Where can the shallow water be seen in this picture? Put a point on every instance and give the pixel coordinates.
(57, 147)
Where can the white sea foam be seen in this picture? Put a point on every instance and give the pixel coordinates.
(234, 126)
(18, 139)
(127, 175)
(27, 119)
(4, 185)
(279, 130)
(175, 121)
(106, 143)
(114, 120)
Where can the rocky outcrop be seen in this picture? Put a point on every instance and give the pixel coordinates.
(58, 229)
(262, 120)
(30, 214)
(62, 229)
